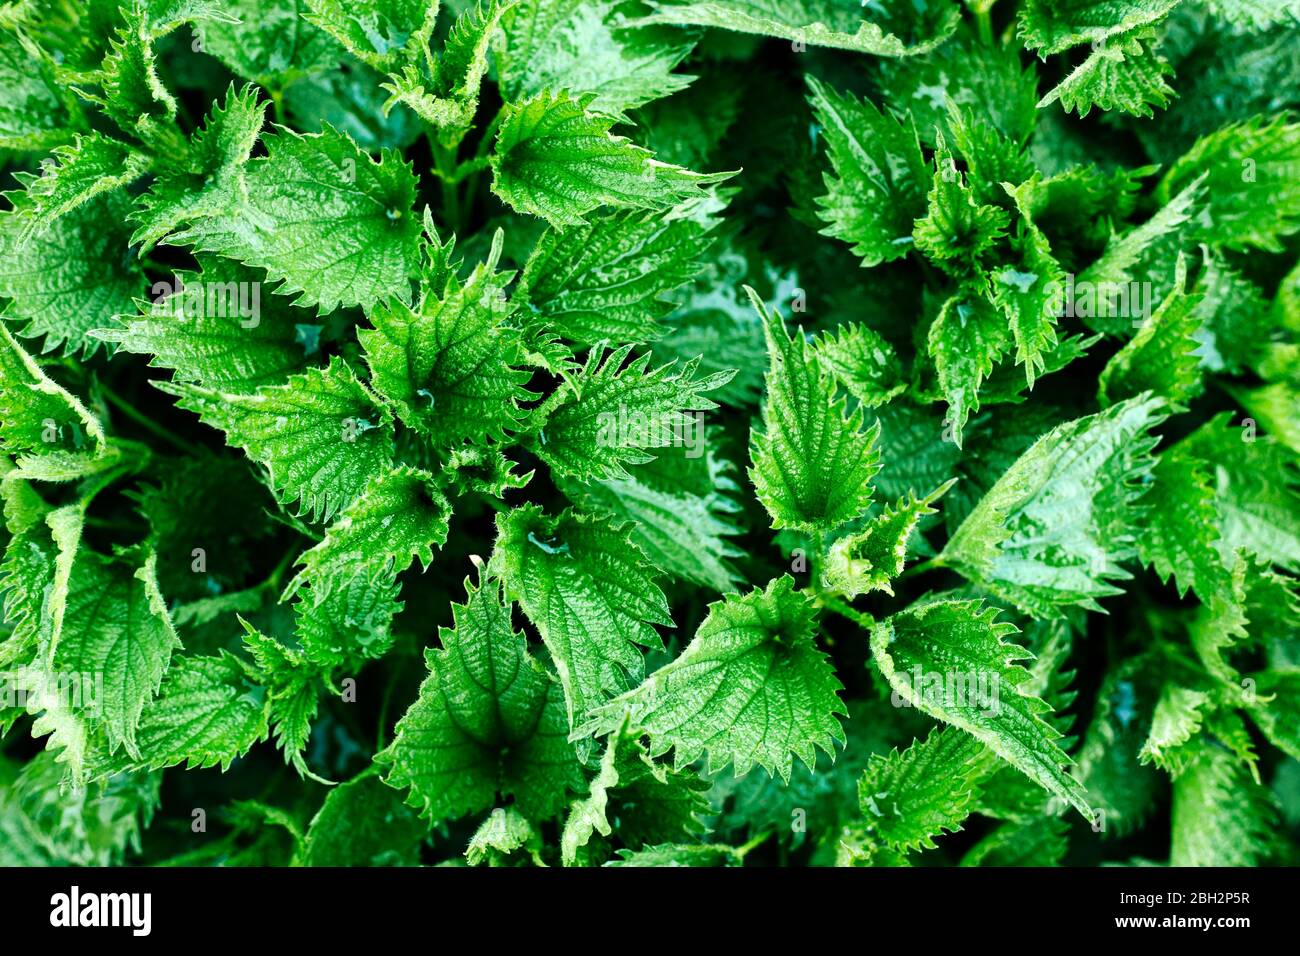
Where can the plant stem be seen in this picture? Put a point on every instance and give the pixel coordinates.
(754, 843)
(934, 564)
(984, 23)
(147, 423)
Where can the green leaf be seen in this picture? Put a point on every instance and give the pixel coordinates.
(1256, 496)
(1252, 197)
(1276, 710)
(951, 660)
(870, 559)
(35, 113)
(813, 462)
(348, 620)
(589, 592)
(364, 823)
(818, 22)
(116, 631)
(680, 529)
(605, 417)
(1124, 73)
(72, 277)
(399, 516)
(1220, 816)
(1055, 527)
(660, 804)
(910, 798)
(207, 714)
(321, 436)
(291, 692)
(877, 185)
(1050, 26)
(450, 366)
(1177, 719)
(606, 280)
(1161, 358)
(1039, 843)
(212, 175)
(89, 166)
(503, 834)
(378, 32)
(214, 328)
(966, 340)
(1180, 528)
(752, 687)
(957, 230)
(268, 42)
(488, 722)
(679, 854)
(36, 413)
(555, 159)
(582, 48)
(324, 219)
(862, 362)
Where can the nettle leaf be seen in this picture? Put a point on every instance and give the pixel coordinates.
(870, 559)
(879, 179)
(588, 48)
(1056, 526)
(1180, 528)
(347, 619)
(607, 280)
(951, 660)
(1123, 73)
(967, 339)
(268, 42)
(448, 99)
(36, 413)
(813, 462)
(1276, 710)
(85, 168)
(116, 627)
(862, 362)
(212, 176)
(207, 714)
(214, 327)
(1161, 358)
(291, 692)
(377, 32)
(555, 159)
(818, 22)
(682, 530)
(590, 593)
(134, 95)
(956, 230)
(1256, 491)
(488, 721)
(333, 226)
(399, 516)
(450, 366)
(321, 435)
(1027, 291)
(505, 833)
(1050, 26)
(37, 113)
(752, 687)
(605, 416)
(659, 803)
(1220, 816)
(72, 277)
(1038, 843)
(910, 798)
(1252, 198)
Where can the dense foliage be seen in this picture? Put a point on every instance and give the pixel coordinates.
(587, 432)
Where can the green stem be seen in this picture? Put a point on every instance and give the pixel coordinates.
(147, 423)
(984, 23)
(754, 843)
(934, 564)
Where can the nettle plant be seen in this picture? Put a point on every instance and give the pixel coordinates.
(514, 433)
